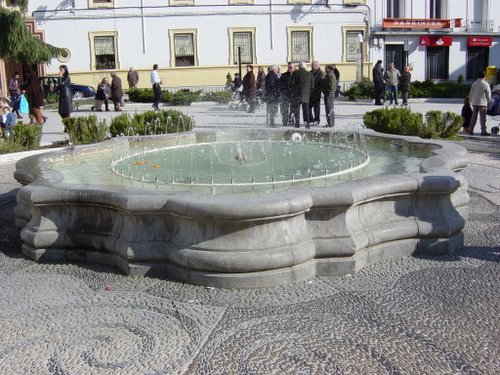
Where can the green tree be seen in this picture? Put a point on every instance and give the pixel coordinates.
(17, 43)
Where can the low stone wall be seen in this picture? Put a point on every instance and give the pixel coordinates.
(247, 241)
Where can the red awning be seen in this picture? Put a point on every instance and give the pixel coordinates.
(436, 41)
(479, 41)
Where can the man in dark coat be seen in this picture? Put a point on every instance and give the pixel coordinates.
(329, 85)
(116, 91)
(404, 84)
(272, 94)
(315, 98)
(249, 88)
(303, 84)
(378, 81)
(286, 92)
(336, 72)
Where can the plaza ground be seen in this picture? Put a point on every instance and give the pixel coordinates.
(410, 315)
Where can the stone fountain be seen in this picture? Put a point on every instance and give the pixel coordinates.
(241, 209)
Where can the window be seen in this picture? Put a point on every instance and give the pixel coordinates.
(183, 49)
(437, 63)
(244, 38)
(300, 44)
(101, 3)
(477, 60)
(104, 50)
(395, 8)
(437, 9)
(351, 42)
(181, 2)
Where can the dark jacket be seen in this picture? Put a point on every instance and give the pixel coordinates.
(318, 77)
(116, 89)
(303, 82)
(329, 84)
(249, 89)
(378, 75)
(467, 115)
(337, 74)
(272, 88)
(286, 86)
(65, 96)
(404, 81)
(34, 91)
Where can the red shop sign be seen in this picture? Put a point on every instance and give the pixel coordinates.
(479, 41)
(436, 41)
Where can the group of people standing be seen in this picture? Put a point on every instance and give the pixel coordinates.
(292, 91)
(113, 91)
(390, 80)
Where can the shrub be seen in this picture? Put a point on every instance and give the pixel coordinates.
(184, 97)
(428, 89)
(221, 97)
(404, 122)
(141, 95)
(460, 79)
(150, 122)
(181, 97)
(361, 90)
(394, 121)
(443, 125)
(85, 130)
(25, 137)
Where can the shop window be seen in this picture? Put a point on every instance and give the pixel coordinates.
(477, 61)
(437, 63)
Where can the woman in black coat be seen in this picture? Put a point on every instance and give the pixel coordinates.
(65, 96)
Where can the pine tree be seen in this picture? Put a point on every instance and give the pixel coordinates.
(17, 43)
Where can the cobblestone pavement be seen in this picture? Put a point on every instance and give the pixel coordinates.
(412, 315)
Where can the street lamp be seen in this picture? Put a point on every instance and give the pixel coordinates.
(359, 60)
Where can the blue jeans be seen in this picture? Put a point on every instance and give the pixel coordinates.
(393, 94)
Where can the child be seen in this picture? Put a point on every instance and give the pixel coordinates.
(9, 121)
(466, 114)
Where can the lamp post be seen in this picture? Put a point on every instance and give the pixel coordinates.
(359, 60)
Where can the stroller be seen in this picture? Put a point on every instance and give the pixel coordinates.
(494, 107)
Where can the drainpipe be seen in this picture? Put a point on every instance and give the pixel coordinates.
(143, 25)
(271, 23)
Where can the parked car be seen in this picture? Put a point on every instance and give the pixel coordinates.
(49, 85)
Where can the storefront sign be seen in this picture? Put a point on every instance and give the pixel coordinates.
(479, 41)
(435, 41)
(421, 23)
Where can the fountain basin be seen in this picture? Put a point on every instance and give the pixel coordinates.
(254, 239)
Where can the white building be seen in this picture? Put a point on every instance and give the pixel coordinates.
(195, 42)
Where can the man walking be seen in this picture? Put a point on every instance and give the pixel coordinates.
(392, 79)
(378, 81)
(480, 95)
(329, 87)
(156, 82)
(132, 78)
(315, 97)
(303, 84)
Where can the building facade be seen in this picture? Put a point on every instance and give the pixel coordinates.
(197, 42)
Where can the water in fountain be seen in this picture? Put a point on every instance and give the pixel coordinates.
(237, 159)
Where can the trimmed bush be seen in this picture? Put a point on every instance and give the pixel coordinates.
(394, 121)
(361, 90)
(150, 122)
(428, 89)
(25, 137)
(404, 122)
(221, 97)
(181, 97)
(85, 130)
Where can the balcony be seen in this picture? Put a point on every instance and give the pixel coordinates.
(479, 26)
